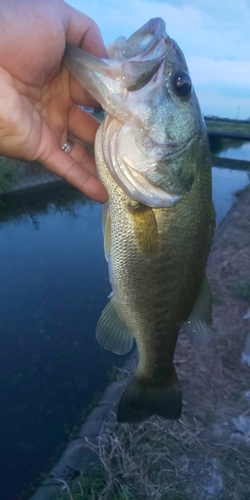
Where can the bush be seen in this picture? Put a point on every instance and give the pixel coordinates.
(10, 171)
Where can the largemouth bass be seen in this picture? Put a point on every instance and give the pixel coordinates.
(152, 155)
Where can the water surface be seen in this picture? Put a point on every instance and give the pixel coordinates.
(54, 285)
(242, 152)
(226, 183)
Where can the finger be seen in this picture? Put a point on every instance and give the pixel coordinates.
(84, 32)
(81, 95)
(61, 163)
(81, 30)
(80, 154)
(82, 125)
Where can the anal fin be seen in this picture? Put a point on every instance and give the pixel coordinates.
(111, 331)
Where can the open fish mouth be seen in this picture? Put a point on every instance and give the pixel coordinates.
(142, 44)
(135, 60)
(135, 88)
(142, 53)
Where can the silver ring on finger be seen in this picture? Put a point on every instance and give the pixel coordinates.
(68, 144)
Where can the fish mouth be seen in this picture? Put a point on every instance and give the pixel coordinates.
(142, 53)
(142, 44)
(134, 60)
(134, 64)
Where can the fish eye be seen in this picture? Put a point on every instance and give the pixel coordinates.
(182, 84)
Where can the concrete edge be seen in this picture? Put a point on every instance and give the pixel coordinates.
(78, 458)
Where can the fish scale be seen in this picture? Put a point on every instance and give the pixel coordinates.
(152, 155)
(156, 293)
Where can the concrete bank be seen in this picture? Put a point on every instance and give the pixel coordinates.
(78, 458)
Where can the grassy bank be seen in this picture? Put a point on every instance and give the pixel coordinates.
(231, 126)
(11, 169)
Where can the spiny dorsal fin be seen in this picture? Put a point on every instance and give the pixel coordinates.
(145, 227)
(111, 331)
(199, 321)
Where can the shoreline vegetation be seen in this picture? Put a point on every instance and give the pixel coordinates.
(17, 174)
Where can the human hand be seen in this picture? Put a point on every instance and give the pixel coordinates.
(39, 98)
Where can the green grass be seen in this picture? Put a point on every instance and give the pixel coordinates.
(86, 487)
(91, 487)
(235, 126)
(10, 171)
(228, 126)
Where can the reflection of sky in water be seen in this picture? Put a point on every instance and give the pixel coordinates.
(241, 153)
(54, 285)
(226, 183)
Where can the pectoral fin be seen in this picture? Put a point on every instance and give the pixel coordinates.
(199, 321)
(145, 227)
(111, 331)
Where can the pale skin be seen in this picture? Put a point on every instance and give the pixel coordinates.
(39, 98)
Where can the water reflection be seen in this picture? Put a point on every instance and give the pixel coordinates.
(230, 148)
(242, 152)
(226, 183)
(54, 284)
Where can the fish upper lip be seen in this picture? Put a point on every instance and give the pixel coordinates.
(155, 27)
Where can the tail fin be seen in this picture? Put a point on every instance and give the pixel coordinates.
(144, 397)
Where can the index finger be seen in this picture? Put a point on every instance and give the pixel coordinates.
(82, 31)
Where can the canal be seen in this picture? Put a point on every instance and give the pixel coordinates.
(54, 285)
